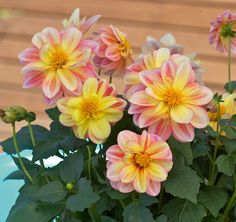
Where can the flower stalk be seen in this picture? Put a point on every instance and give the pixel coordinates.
(229, 65)
(19, 156)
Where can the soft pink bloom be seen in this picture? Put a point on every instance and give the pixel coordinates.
(84, 25)
(171, 101)
(223, 28)
(114, 52)
(59, 62)
(138, 162)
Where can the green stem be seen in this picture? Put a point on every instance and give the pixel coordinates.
(122, 204)
(19, 156)
(89, 162)
(231, 202)
(217, 143)
(34, 144)
(229, 65)
(110, 79)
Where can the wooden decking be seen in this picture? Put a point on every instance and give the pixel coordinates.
(188, 20)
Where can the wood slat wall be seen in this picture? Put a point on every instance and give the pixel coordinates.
(188, 20)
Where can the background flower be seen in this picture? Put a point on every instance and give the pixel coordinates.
(227, 109)
(92, 113)
(171, 102)
(114, 52)
(223, 28)
(84, 25)
(138, 162)
(58, 61)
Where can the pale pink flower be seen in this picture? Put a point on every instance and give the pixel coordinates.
(114, 52)
(59, 62)
(138, 162)
(222, 29)
(171, 101)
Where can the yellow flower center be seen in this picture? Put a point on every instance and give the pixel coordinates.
(89, 108)
(58, 57)
(141, 160)
(172, 97)
(125, 48)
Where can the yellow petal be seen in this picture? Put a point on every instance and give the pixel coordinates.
(90, 87)
(100, 128)
(181, 114)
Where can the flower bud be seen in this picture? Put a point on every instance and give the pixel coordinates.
(20, 112)
(8, 115)
(70, 186)
(30, 117)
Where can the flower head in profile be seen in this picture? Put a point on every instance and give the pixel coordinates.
(138, 162)
(223, 29)
(114, 52)
(92, 113)
(59, 62)
(84, 24)
(171, 102)
(227, 109)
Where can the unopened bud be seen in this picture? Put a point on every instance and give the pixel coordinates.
(8, 116)
(69, 186)
(20, 112)
(30, 117)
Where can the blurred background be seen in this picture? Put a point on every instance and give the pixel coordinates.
(187, 20)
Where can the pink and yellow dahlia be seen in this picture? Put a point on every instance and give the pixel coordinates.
(150, 61)
(138, 162)
(171, 102)
(58, 61)
(223, 29)
(92, 113)
(84, 25)
(227, 109)
(114, 52)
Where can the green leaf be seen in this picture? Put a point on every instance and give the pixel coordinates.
(116, 195)
(107, 219)
(213, 198)
(23, 139)
(84, 198)
(162, 218)
(183, 182)
(231, 132)
(146, 200)
(200, 149)
(230, 144)
(53, 113)
(52, 192)
(104, 204)
(135, 212)
(34, 212)
(233, 86)
(225, 164)
(181, 151)
(16, 175)
(213, 219)
(71, 168)
(183, 210)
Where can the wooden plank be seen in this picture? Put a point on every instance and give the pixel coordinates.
(154, 11)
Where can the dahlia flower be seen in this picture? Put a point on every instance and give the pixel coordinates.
(58, 61)
(222, 29)
(149, 61)
(114, 52)
(227, 109)
(171, 102)
(84, 25)
(92, 113)
(138, 162)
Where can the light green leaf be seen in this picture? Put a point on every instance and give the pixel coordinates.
(146, 200)
(213, 198)
(135, 212)
(184, 211)
(183, 182)
(52, 192)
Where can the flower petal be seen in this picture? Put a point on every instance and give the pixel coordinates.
(114, 170)
(128, 173)
(66, 120)
(114, 153)
(51, 84)
(154, 188)
(200, 117)
(156, 172)
(142, 99)
(68, 79)
(181, 114)
(33, 79)
(183, 132)
(90, 87)
(141, 180)
(125, 137)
